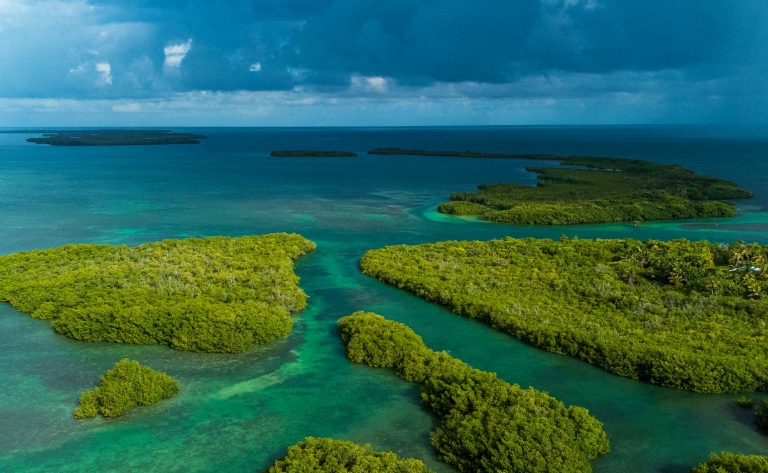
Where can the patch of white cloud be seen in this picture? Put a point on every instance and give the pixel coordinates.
(105, 71)
(374, 84)
(175, 53)
(378, 84)
(255, 67)
(52, 47)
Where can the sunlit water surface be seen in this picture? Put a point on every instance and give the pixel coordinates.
(237, 413)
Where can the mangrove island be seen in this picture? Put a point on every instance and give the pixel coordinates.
(323, 455)
(114, 138)
(127, 385)
(216, 294)
(733, 463)
(604, 190)
(682, 314)
(486, 424)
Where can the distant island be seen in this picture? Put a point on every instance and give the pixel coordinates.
(114, 137)
(312, 153)
(600, 190)
(215, 294)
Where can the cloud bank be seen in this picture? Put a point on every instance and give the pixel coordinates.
(315, 62)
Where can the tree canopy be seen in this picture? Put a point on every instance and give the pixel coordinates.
(486, 424)
(114, 137)
(215, 294)
(127, 385)
(733, 463)
(323, 455)
(689, 315)
(593, 190)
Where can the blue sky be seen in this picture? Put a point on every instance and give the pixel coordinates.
(382, 62)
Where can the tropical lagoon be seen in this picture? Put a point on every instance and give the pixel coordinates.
(239, 412)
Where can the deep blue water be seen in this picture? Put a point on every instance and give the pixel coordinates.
(238, 412)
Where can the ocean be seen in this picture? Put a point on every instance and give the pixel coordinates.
(237, 413)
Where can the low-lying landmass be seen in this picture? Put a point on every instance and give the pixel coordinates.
(216, 294)
(745, 402)
(127, 385)
(733, 463)
(486, 424)
(114, 138)
(682, 314)
(323, 455)
(603, 190)
(311, 153)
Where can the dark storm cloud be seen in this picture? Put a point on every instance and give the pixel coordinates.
(145, 49)
(419, 42)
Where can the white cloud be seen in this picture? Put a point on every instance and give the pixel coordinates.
(374, 84)
(377, 83)
(255, 67)
(175, 53)
(105, 70)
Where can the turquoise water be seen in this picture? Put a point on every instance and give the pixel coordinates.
(237, 413)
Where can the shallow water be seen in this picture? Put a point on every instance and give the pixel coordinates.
(237, 413)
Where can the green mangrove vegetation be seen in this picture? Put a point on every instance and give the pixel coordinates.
(127, 385)
(215, 294)
(115, 138)
(323, 455)
(683, 314)
(486, 424)
(312, 153)
(733, 463)
(603, 190)
(745, 402)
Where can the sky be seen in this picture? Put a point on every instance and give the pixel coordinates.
(382, 62)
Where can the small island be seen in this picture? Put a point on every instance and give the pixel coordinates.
(311, 153)
(602, 190)
(113, 137)
(215, 294)
(486, 424)
(682, 314)
(127, 385)
(733, 463)
(323, 455)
